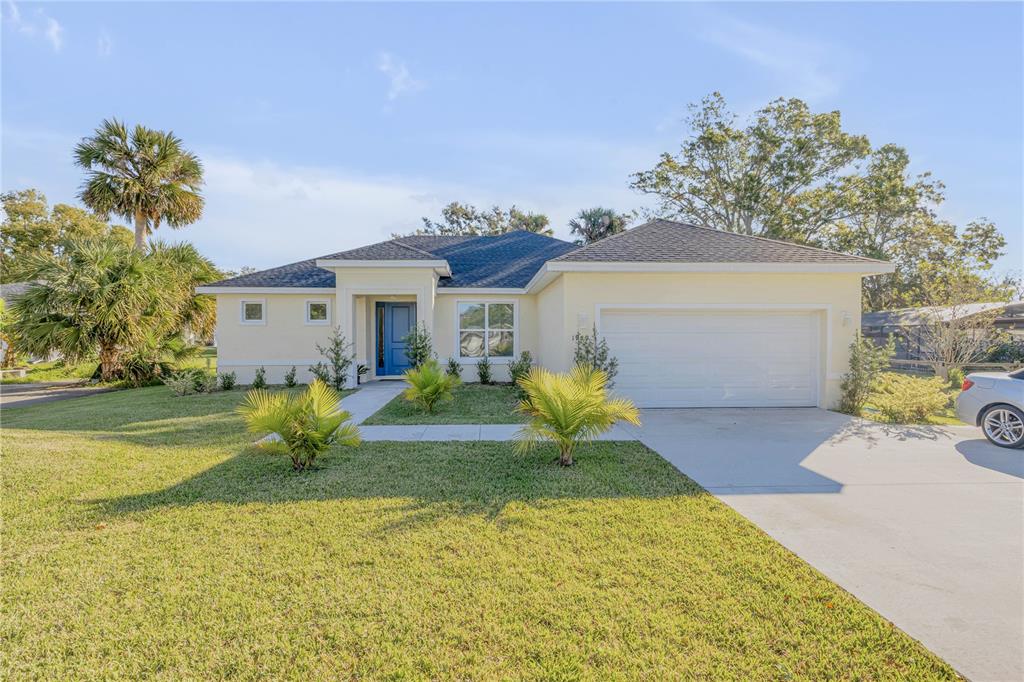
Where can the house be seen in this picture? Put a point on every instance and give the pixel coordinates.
(908, 326)
(696, 317)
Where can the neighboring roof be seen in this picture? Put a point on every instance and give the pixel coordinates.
(13, 290)
(666, 241)
(911, 317)
(508, 261)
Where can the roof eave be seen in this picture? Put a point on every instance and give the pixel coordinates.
(264, 290)
(440, 266)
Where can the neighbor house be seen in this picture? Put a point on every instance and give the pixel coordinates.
(909, 327)
(696, 317)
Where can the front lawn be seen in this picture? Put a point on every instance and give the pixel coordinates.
(145, 537)
(471, 404)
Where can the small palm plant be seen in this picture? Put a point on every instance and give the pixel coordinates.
(307, 423)
(568, 409)
(429, 385)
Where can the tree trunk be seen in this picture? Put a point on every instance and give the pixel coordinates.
(109, 358)
(565, 457)
(140, 231)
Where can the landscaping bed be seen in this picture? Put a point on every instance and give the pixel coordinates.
(146, 537)
(470, 404)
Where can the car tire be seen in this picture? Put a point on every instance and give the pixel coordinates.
(1003, 425)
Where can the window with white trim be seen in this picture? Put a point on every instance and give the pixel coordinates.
(254, 312)
(318, 312)
(487, 329)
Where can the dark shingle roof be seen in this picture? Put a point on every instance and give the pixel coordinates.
(668, 241)
(509, 260)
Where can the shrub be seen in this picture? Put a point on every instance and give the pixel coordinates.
(227, 381)
(956, 377)
(289, 378)
(260, 380)
(519, 369)
(483, 370)
(428, 385)
(339, 356)
(306, 423)
(181, 383)
(418, 346)
(867, 361)
(454, 368)
(592, 350)
(568, 409)
(905, 399)
(206, 382)
(361, 371)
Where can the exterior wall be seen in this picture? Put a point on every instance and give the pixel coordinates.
(552, 340)
(445, 333)
(838, 294)
(285, 340)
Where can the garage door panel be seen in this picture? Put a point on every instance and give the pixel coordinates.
(672, 358)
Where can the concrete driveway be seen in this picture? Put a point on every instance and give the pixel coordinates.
(922, 523)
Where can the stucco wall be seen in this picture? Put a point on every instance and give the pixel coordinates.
(841, 293)
(285, 340)
(552, 344)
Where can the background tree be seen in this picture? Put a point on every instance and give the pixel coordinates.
(780, 176)
(101, 297)
(594, 224)
(144, 176)
(466, 219)
(30, 226)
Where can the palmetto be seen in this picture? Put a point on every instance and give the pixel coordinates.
(568, 409)
(144, 176)
(429, 385)
(307, 423)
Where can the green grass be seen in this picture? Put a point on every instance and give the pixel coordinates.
(53, 371)
(145, 537)
(471, 404)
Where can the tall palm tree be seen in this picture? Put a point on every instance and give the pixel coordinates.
(144, 176)
(593, 224)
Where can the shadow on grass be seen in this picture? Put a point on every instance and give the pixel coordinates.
(429, 480)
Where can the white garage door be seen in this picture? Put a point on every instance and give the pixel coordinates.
(687, 358)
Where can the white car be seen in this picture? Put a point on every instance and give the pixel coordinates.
(995, 402)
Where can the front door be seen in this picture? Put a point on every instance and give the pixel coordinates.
(394, 322)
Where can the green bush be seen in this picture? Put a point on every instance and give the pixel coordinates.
(867, 361)
(428, 385)
(289, 378)
(260, 380)
(306, 423)
(904, 399)
(592, 351)
(454, 368)
(520, 369)
(206, 382)
(339, 356)
(418, 346)
(227, 381)
(483, 370)
(956, 377)
(190, 381)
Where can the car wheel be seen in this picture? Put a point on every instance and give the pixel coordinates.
(1004, 426)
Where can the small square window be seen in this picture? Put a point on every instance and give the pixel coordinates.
(316, 312)
(252, 312)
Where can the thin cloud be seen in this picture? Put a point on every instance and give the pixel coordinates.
(806, 66)
(104, 44)
(401, 81)
(43, 25)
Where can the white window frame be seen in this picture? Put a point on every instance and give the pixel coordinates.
(515, 331)
(241, 311)
(317, 323)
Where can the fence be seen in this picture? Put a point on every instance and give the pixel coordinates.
(929, 367)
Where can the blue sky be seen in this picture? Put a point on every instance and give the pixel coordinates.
(326, 126)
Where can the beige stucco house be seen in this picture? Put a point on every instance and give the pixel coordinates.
(696, 317)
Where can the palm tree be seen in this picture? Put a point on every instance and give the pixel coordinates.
(568, 409)
(144, 176)
(306, 424)
(429, 385)
(100, 296)
(593, 224)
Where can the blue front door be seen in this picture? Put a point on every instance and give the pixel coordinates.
(394, 322)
